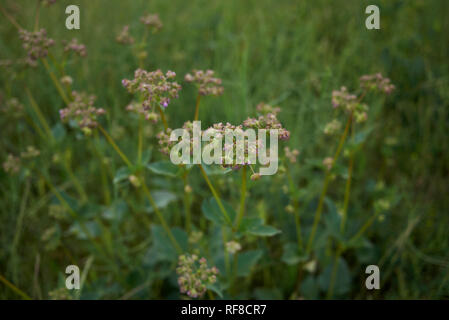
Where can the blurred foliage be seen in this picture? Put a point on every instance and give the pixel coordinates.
(286, 53)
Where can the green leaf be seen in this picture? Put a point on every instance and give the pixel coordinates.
(163, 249)
(291, 254)
(116, 211)
(162, 198)
(121, 175)
(215, 170)
(246, 261)
(215, 288)
(212, 212)
(256, 227)
(93, 229)
(342, 283)
(165, 168)
(58, 131)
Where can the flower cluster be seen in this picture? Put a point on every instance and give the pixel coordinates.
(343, 98)
(376, 82)
(350, 103)
(291, 155)
(194, 275)
(264, 108)
(11, 164)
(82, 110)
(12, 107)
(155, 87)
(139, 109)
(268, 121)
(207, 84)
(30, 152)
(332, 127)
(152, 21)
(66, 80)
(76, 47)
(36, 44)
(124, 37)
(233, 247)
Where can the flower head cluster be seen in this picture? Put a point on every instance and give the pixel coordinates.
(155, 87)
(267, 121)
(376, 82)
(194, 275)
(207, 84)
(291, 155)
(264, 108)
(124, 37)
(233, 247)
(82, 110)
(12, 107)
(139, 109)
(152, 21)
(66, 80)
(350, 103)
(342, 98)
(36, 44)
(76, 47)
(332, 127)
(12, 164)
(30, 152)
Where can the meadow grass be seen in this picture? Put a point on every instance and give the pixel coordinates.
(287, 53)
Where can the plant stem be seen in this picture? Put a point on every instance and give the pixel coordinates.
(55, 81)
(161, 219)
(14, 288)
(197, 107)
(216, 196)
(36, 17)
(242, 199)
(187, 203)
(140, 142)
(325, 185)
(115, 146)
(164, 120)
(11, 19)
(39, 114)
(296, 207)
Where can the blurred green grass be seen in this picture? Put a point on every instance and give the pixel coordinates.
(290, 53)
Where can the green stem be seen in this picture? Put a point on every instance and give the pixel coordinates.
(55, 81)
(161, 219)
(11, 19)
(164, 120)
(242, 199)
(115, 146)
(140, 142)
(296, 207)
(14, 288)
(216, 196)
(187, 204)
(325, 185)
(39, 114)
(197, 107)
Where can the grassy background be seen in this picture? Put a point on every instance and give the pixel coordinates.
(290, 53)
